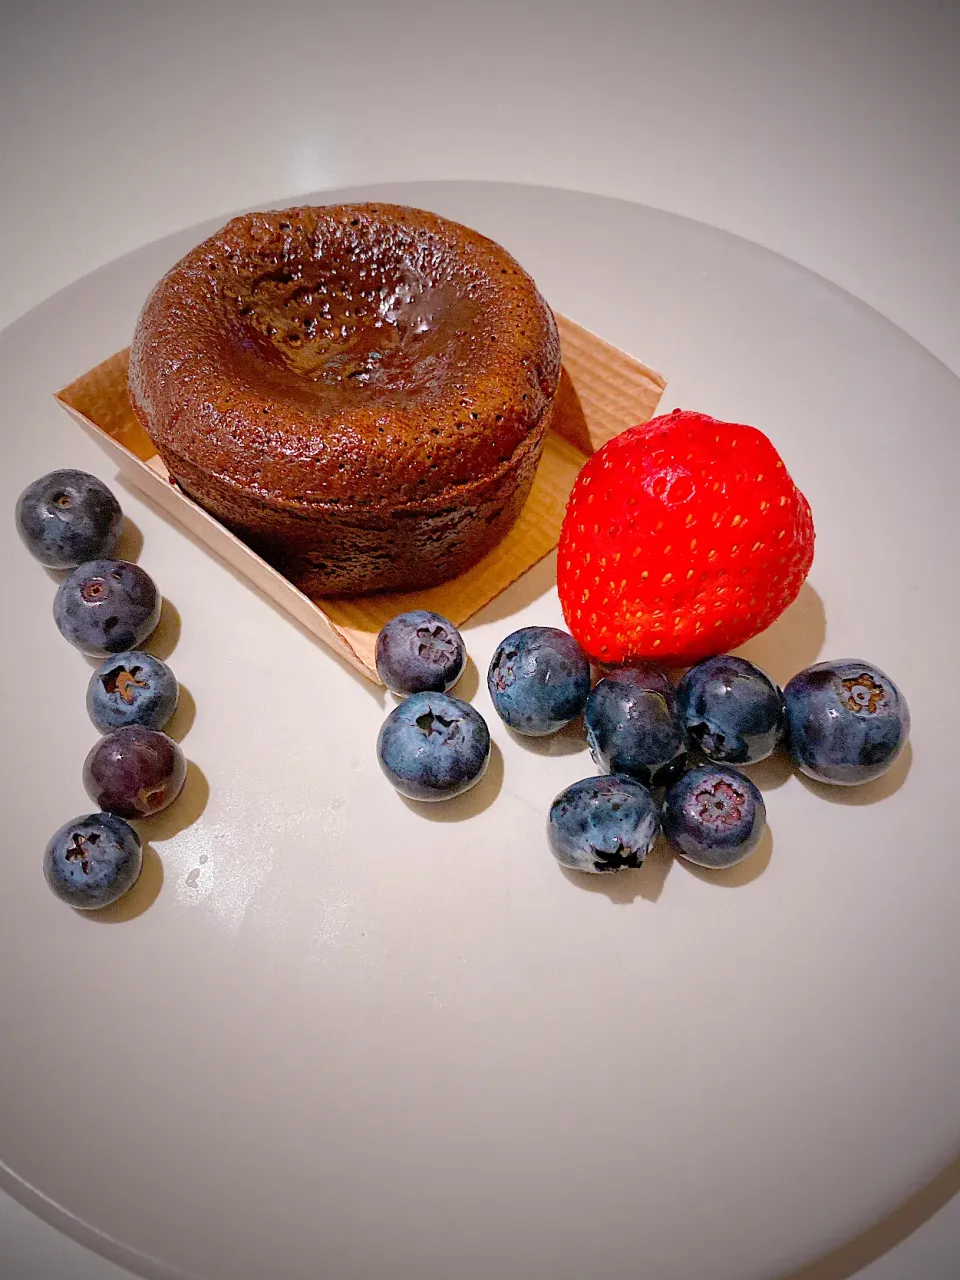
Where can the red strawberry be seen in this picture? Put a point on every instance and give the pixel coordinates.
(682, 538)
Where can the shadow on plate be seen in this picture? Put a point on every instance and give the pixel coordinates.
(851, 1258)
(184, 811)
(163, 639)
(460, 808)
(771, 773)
(567, 741)
(466, 687)
(867, 792)
(141, 897)
(181, 722)
(536, 582)
(791, 643)
(623, 887)
(131, 541)
(753, 866)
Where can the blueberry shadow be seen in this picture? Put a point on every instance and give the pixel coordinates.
(181, 722)
(130, 545)
(458, 809)
(466, 687)
(852, 1258)
(136, 900)
(184, 811)
(791, 643)
(163, 639)
(568, 741)
(538, 580)
(867, 792)
(57, 575)
(771, 773)
(623, 887)
(371, 686)
(751, 868)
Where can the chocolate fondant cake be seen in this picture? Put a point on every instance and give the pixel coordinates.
(361, 392)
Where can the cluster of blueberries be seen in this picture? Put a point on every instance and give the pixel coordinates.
(69, 520)
(667, 752)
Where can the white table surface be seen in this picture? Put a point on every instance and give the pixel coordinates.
(828, 130)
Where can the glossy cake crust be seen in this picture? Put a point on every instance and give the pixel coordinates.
(359, 391)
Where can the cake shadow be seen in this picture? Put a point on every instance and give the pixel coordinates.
(136, 900)
(460, 808)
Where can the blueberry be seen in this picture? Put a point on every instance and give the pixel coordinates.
(846, 721)
(433, 746)
(134, 772)
(603, 824)
(633, 726)
(92, 861)
(132, 688)
(68, 517)
(713, 816)
(731, 710)
(539, 680)
(419, 652)
(107, 606)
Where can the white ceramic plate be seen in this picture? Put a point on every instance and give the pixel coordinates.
(338, 1036)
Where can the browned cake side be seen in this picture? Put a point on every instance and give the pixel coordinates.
(359, 391)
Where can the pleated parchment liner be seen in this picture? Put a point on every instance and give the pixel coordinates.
(602, 391)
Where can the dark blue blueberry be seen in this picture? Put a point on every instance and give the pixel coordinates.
(92, 861)
(539, 680)
(731, 710)
(632, 724)
(107, 606)
(603, 824)
(419, 652)
(714, 816)
(433, 746)
(846, 721)
(132, 688)
(134, 772)
(68, 517)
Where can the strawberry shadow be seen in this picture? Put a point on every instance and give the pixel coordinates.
(791, 643)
